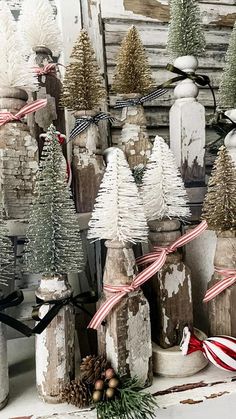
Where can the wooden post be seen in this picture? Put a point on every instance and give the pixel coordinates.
(134, 139)
(18, 158)
(230, 139)
(87, 165)
(55, 346)
(50, 87)
(170, 291)
(187, 135)
(222, 309)
(4, 379)
(126, 337)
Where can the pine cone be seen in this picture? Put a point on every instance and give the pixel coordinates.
(93, 367)
(78, 393)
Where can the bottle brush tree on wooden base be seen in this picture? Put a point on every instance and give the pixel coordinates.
(118, 217)
(83, 93)
(132, 79)
(41, 41)
(219, 210)
(53, 249)
(166, 204)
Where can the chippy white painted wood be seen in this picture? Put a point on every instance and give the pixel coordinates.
(55, 346)
(4, 379)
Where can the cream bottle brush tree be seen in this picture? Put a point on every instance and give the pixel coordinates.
(166, 204)
(131, 80)
(163, 191)
(15, 71)
(54, 249)
(38, 27)
(219, 210)
(119, 218)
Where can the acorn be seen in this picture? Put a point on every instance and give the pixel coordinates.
(99, 385)
(97, 396)
(110, 393)
(113, 383)
(110, 373)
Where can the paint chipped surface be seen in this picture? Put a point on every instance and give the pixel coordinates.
(4, 380)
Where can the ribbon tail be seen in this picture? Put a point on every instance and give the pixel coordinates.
(16, 324)
(46, 320)
(218, 288)
(105, 308)
(31, 107)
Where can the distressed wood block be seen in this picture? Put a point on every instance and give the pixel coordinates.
(4, 379)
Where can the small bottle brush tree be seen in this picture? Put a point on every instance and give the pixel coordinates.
(185, 33)
(219, 209)
(227, 88)
(15, 71)
(118, 217)
(165, 201)
(53, 249)
(118, 211)
(163, 191)
(133, 74)
(37, 26)
(83, 89)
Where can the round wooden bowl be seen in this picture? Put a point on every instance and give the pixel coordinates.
(172, 363)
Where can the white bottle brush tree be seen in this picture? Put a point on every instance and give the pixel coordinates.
(227, 88)
(185, 32)
(53, 236)
(15, 71)
(38, 27)
(118, 212)
(163, 191)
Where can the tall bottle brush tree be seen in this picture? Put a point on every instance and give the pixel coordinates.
(15, 71)
(227, 88)
(163, 191)
(7, 263)
(185, 35)
(53, 235)
(118, 212)
(82, 88)
(133, 74)
(219, 207)
(38, 27)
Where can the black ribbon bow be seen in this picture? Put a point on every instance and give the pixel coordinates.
(82, 123)
(17, 297)
(200, 79)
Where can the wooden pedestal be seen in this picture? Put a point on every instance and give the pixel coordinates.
(126, 337)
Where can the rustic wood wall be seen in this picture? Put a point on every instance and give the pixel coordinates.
(151, 18)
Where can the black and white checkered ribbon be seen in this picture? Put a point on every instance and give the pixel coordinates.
(140, 100)
(82, 123)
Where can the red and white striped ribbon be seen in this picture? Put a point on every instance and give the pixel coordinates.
(31, 107)
(157, 260)
(228, 281)
(219, 350)
(47, 69)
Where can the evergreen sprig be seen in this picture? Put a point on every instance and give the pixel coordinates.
(130, 403)
(227, 88)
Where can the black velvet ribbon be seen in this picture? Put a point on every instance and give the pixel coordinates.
(17, 297)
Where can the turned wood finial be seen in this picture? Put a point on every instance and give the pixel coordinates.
(187, 88)
(12, 99)
(230, 139)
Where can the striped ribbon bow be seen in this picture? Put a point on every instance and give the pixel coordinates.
(219, 287)
(157, 260)
(47, 69)
(82, 123)
(220, 350)
(31, 107)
